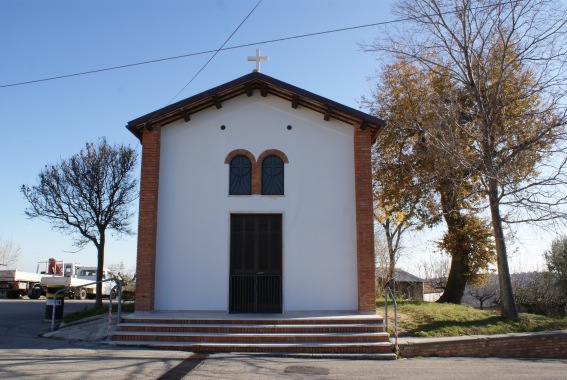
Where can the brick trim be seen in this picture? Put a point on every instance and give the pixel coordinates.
(364, 221)
(240, 152)
(272, 152)
(147, 220)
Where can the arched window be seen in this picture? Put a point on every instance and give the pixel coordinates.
(240, 176)
(272, 175)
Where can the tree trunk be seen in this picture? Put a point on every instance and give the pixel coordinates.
(390, 281)
(507, 304)
(100, 268)
(392, 263)
(456, 282)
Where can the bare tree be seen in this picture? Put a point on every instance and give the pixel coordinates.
(390, 247)
(539, 293)
(9, 253)
(485, 291)
(381, 259)
(509, 62)
(86, 195)
(436, 270)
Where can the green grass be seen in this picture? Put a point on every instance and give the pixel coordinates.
(91, 312)
(430, 319)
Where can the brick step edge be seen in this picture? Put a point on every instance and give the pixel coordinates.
(350, 339)
(282, 348)
(180, 327)
(322, 321)
(235, 326)
(253, 335)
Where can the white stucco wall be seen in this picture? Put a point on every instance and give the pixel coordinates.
(319, 231)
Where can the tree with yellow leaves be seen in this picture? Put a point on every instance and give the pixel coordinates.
(508, 60)
(416, 183)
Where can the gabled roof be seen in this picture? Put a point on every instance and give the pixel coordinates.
(403, 276)
(267, 86)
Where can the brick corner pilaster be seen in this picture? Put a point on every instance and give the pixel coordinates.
(147, 221)
(364, 221)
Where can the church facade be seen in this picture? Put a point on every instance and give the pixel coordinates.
(256, 197)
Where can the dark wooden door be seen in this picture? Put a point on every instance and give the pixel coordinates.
(256, 263)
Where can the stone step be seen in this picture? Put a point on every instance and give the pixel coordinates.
(353, 334)
(251, 337)
(250, 328)
(382, 348)
(371, 320)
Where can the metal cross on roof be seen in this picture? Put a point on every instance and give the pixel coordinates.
(258, 59)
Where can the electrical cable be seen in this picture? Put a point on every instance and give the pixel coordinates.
(214, 55)
(198, 53)
(231, 48)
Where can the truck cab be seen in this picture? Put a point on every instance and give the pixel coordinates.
(71, 269)
(89, 273)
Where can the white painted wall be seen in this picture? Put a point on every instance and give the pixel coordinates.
(319, 247)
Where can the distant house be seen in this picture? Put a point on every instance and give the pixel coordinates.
(430, 292)
(405, 285)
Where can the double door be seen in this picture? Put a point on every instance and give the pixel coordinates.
(255, 263)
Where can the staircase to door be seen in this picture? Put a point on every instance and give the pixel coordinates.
(330, 334)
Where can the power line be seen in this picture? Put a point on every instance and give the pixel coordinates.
(216, 52)
(237, 46)
(199, 53)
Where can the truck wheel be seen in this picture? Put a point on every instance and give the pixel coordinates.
(35, 293)
(81, 294)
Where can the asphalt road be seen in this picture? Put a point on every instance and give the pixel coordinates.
(24, 354)
(22, 321)
(250, 367)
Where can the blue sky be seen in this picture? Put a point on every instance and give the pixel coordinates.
(46, 121)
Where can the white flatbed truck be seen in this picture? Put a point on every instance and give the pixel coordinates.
(15, 283)
(77, 277)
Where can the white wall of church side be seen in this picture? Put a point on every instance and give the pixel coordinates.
(319, 230)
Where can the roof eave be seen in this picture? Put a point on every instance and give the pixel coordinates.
(247, 84)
